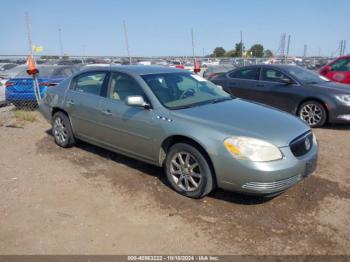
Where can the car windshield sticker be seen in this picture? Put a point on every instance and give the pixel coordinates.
(199, 78)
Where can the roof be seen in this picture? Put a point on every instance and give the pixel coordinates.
(139, 69)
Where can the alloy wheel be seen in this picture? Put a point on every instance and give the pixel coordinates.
(311, 114)
(60, 130)
(185, 171)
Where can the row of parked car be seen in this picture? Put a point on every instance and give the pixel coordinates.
(309, 95)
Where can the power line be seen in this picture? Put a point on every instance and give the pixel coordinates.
(29, 34)
(126, 41)
(60, 41)
(192, 36)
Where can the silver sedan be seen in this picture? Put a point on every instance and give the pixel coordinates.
(203, 137)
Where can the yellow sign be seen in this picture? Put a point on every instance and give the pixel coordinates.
(37, 48)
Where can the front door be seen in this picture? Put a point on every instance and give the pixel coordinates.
(128, 129)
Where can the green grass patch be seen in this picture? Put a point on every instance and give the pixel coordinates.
(25, 116)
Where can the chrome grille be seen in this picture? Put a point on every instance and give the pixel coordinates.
(302, 144)
(280, 184)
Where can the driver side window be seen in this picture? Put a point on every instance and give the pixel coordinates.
(272, 75)
(121, 86)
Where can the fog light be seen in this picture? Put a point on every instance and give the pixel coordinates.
(344, 117)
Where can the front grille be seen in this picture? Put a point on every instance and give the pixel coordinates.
(302, 144)
(276, 185)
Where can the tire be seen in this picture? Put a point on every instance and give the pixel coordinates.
(199, 177)
(313, 113)
(62, 130)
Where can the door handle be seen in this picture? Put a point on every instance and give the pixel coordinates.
(260, 85)
(70, 102)
(107, 112)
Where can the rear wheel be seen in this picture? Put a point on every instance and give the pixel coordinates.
(313, 113)
(62, 130)
(188, 171)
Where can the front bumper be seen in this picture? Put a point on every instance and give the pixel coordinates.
(265, 177)
(339, 114)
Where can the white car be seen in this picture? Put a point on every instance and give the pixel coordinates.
(5, 76)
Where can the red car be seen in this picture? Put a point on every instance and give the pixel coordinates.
(338, 70)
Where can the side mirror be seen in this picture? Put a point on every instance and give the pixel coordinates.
(137, 101)
(286, 81)
(325, 70)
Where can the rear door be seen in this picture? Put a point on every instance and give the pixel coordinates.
(82, 103)
(340, 71)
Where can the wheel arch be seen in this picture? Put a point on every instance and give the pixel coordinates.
(322, 102)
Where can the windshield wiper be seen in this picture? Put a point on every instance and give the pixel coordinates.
(218, 100)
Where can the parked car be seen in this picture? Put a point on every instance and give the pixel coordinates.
(172, 118)
(19, 89)
(338, 70)
(299, 91)
(213, 71)
(7, 66)
(4, 77)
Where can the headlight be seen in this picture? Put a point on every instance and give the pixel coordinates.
(345, 99)
(252, 149)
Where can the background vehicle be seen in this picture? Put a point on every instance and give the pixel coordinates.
(19, 89)
(4, 77)
(338, 70)
(213, 71)
(299, 91)
(167, 117)
(7, 66)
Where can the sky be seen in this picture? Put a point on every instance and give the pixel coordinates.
(163, 27)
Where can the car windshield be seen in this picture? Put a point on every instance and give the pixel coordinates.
(44, 71)
(181, 90)
(306, 76)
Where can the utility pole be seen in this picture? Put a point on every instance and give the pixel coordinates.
(241, 44)
(282, 46)
(344, 47)
(305, 51)
(203, 52)
(84, 53)
(287, 53)
(60, 41)
(192, 36)
(29, 33)
(126, 41)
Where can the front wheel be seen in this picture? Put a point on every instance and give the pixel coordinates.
(188, 171)
(313, 113)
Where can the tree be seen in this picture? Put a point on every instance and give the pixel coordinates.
(257, 50)
(268, 53)
(231, 53)
(219, 52)
(239, 49)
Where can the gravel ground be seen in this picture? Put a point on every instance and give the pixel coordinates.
(86, 200)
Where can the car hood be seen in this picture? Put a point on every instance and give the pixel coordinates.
(334, 87)
(242, 118)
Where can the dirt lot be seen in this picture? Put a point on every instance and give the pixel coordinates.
(86, 200)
